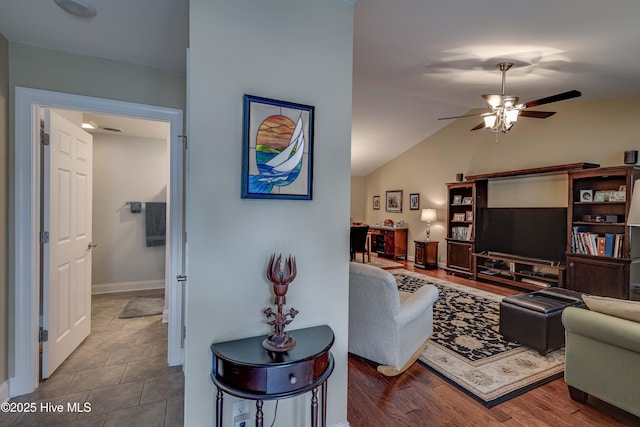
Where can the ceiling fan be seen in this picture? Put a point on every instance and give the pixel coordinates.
(504, 109)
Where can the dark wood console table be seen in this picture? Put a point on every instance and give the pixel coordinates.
(245, 369)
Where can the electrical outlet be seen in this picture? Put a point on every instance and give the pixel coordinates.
(243, 423)
(240, 407)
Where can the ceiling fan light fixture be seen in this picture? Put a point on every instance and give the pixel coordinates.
(77, 8)
(490, 121)
(511, 115)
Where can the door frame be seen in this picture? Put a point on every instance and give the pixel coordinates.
(26, 223)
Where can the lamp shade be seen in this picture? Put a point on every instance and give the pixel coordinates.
(428, 215)
(633, 219)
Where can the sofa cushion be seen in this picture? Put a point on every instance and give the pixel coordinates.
(623, 309)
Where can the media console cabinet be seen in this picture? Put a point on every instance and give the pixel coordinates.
(467, 247)
(517, 271)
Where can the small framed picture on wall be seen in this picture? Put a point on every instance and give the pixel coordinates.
(414, 202)
(394, 201)
(376, 203)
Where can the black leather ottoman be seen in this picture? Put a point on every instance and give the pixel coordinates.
(534, 319)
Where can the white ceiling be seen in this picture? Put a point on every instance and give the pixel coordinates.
(414, 60)
(139, 128)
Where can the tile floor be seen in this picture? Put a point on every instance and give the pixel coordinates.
(120, 369)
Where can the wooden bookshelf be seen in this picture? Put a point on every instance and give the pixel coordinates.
(602, 258)
(465, 203)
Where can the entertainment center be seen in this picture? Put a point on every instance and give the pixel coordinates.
(536, 247)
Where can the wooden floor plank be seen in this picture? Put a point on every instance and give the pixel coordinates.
(419, 397)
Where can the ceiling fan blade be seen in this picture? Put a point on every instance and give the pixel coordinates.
(468, 115)
(480, 126)
(537, 114)
(458, 117)
(554, 98)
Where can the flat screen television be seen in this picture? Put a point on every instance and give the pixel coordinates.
(539, 233)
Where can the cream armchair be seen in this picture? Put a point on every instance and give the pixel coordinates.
(602, 358)
(383, 326)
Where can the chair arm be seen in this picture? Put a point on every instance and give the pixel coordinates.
(415, 306)
(602, 327)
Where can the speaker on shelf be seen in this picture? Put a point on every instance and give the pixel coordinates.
(631, 157)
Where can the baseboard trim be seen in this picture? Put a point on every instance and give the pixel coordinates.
(4, 392)
(142, 285)
(342, 424)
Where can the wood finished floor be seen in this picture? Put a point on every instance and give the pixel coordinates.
(419, 397)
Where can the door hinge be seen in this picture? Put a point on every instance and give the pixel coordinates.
(44, 237)
(184, 140)
(43, 336)
(44, 138)
(184, 332)
(181, 277)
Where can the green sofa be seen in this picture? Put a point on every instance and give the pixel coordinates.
(602, 358)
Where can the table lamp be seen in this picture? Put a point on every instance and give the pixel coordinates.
(633, 218)
(428, 215)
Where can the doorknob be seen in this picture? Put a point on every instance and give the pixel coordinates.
(91, 245)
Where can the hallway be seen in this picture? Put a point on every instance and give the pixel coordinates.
(120, 370)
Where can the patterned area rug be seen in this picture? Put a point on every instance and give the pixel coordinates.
(467, 350)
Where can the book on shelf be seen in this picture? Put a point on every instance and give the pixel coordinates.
(588, 243)
(463, 232)
(600, 240)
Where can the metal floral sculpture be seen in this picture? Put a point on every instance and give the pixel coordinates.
(280, 273)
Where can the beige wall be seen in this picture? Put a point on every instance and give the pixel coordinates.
(358, 187)
(4, 175)
(293, 50)
(582, 131)
(126, 169)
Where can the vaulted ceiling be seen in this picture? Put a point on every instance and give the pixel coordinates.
(414, 60)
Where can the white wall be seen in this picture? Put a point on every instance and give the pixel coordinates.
(292, 50)
(4, 143)
(126, 169)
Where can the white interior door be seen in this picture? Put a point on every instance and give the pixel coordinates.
(67, 198)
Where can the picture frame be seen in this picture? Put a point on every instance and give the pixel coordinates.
(457, 200)
(467, 200)
(586, 195)
(414, 201)
(277, 149)
(393, 201)
(458, 217)
(468, 216)
(376, 203)
(618, 196)
(602, 196)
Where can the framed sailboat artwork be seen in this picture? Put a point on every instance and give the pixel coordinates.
(277, 152)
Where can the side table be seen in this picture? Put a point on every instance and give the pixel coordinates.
(426, 254)
(245, 369)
